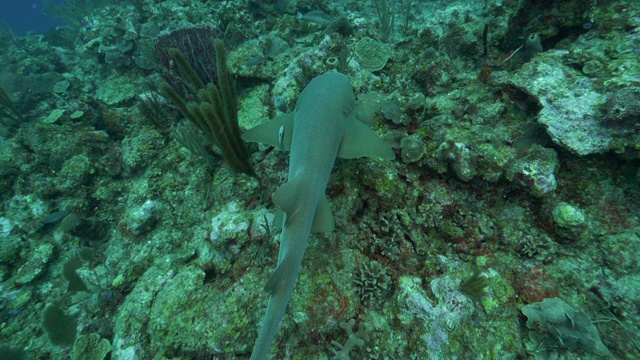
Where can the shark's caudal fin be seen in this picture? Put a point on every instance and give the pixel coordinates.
(359, 141)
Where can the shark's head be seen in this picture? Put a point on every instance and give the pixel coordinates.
(330, 90)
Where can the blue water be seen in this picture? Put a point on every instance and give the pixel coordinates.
(27, 15)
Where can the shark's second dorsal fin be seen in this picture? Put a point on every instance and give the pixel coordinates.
(359, 141)
(278, 275)
(285, 197)
(278, 220)
(268, 133)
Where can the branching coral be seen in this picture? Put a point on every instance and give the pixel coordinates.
(354, 339)
(373, 283)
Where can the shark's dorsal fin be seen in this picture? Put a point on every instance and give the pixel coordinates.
(285, 197)
(278, 220)
(278, 275)
(268, 133)
(359, 141)
(323, 220)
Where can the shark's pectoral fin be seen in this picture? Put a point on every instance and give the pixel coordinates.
(284, 267)
(359, 141)
(323, 220)
(268, 133)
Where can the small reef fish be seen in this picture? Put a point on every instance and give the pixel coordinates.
(317, 17)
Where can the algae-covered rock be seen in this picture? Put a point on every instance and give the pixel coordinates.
(570, 104)
(570, 221)
(35, 265)
(117, 90)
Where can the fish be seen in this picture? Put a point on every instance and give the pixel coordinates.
(322, 127)
(317, 17)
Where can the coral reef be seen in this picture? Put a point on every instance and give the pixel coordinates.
(516, 182)
(373, 283)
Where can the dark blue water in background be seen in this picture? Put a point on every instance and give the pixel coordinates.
(27, 15)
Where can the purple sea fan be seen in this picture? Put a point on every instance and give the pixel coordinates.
(196, 43)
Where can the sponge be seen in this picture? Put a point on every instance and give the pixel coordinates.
(564, 328)
(60, 327)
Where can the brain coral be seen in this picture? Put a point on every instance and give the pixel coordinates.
(371, 54)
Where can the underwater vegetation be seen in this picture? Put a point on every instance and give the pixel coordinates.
(9, 115)
(496, 217)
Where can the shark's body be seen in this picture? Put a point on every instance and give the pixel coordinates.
(322, 127)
